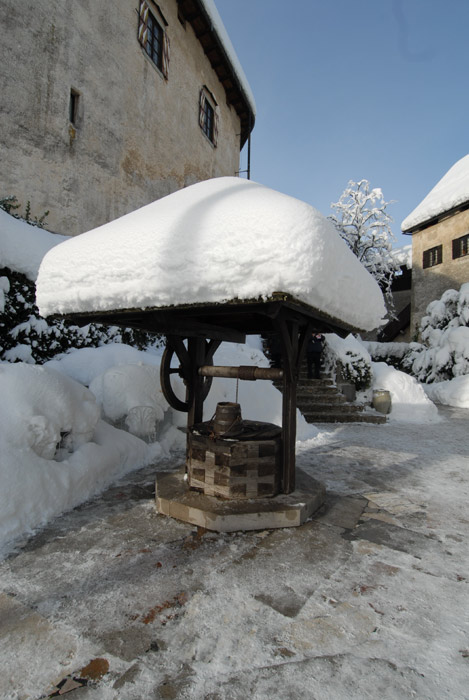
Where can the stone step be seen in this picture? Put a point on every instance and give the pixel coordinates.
(320, 396)
(336, 408)
(320, 401)
(303, 378)
(332, 417)
(304, 381)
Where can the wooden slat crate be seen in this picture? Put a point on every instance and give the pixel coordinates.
(234, 469)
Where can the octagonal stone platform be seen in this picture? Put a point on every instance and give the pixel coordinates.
(175, 499)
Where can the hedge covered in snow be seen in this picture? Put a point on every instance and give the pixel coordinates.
(444, 351)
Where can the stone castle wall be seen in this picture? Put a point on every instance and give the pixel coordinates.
(137, 136)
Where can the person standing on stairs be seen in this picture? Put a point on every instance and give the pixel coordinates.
(314, 350)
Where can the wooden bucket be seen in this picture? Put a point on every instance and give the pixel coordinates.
(227, 416)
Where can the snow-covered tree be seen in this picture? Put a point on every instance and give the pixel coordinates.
(445, 335)
(444, 351)
(365, 225)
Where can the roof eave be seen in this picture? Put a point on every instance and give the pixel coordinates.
(436, 219)
(196, 14)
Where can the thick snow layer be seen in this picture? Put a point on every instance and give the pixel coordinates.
(55, 452)
(218, 240)
(222, 34)
(453, 392)
(23, 246)
(86, 364)
(449, 192)
(409, 403)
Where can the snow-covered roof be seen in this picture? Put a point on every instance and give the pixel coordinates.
(219, 240)
(219, 29)
(450, 192)
(403, 256)
(23, 246)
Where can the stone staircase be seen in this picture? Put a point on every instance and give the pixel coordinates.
(320, 401)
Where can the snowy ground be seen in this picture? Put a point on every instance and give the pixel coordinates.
(367, 600)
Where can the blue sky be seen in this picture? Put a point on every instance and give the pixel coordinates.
(349, 90)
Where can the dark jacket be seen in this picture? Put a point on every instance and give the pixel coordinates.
(315, 344)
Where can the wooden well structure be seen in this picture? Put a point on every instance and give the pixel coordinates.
(195, 331)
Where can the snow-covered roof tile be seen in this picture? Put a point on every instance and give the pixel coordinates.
(450, 192)
(219, 240)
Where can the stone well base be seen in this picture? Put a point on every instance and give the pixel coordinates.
(173, 498)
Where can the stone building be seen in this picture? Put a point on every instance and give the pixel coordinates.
(109, 105)
(440, 240)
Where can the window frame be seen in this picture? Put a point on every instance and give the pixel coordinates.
(461, 246)
(153, 37)
(432, 256)
(208, 120)
(208, 115)
(74, 107)
(154, 42)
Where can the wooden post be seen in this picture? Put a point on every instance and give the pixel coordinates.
(197, 351)
(289, 340)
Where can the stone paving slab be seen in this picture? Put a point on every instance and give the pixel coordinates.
(367, 598)
(175, 500)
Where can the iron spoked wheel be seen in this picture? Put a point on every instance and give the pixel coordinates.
(165, 378)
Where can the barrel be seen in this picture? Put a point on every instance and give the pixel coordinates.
(227, 415)
(382, 401)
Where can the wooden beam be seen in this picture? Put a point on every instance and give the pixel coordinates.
(249, 373)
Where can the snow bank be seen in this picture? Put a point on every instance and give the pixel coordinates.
(409, 401)
(218, 240)
(86, 364)
(55, 451)
(449, 192)
(22, 246)
(453, 392)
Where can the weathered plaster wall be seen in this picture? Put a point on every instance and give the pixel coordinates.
(429, 284)
(138, 135)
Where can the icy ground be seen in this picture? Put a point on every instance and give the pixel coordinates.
(367, 600)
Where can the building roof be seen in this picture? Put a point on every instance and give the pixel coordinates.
(450, 195)
(210, 31)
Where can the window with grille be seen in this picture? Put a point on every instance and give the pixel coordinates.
(461, 246)
(208, 115)
(153, 38)
(433, 256)
(208, 120)
(154, 45)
